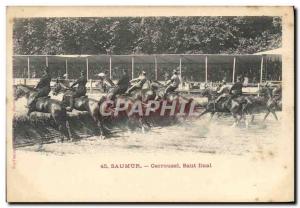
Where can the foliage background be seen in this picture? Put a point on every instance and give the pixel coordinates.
(146, 35)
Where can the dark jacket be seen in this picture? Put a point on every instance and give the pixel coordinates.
(44, 82)
(81, 82)
(236, 88)
(123, 82)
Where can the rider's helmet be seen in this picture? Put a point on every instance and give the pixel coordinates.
(143, 73)
(65, 76)
(175, 71)
(223, 81)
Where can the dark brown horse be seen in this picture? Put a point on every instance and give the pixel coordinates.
(46, 105)
(264, 102)
(228, 104)
(82, 104)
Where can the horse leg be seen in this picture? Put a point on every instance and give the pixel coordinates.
(266, 115)
(252, 118)
(63, 125)
(101, 129)
(203, 113)
(235, 120)
(212, 115)
(246, 120)
(142, 123)
(69, 130)
(274, 114)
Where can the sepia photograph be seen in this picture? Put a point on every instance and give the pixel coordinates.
(150, 104)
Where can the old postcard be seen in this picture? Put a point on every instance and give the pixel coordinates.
(150, 104)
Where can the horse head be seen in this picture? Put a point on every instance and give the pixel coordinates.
(21, 91)
(57, 88)
(265, 91)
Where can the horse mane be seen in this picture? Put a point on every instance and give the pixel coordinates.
(26, 88)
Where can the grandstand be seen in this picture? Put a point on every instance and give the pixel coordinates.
(193, 68)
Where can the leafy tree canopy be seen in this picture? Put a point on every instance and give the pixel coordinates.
(146, 35)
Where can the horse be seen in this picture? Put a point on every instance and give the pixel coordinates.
(46, 105)
(139, 95)
(82, 104)
(227, 104)
(265, 102)
(148, 93)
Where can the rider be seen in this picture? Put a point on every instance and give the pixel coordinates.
(121, 85)
(236, 89)
(105, 80)
(80, 91)
(140, 81)
(173, 83)
(223, 91)
(42, 88)
(64, 81)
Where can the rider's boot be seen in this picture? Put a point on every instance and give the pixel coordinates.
(70, 108)
(30, 109)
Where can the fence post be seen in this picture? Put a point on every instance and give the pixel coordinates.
(132, 67)
(47, 61)
(67, 69)
(261, 68)
(87, 73)
(110, 67)
(87, 68)
(28, 67)
(155, 65)
(91, 85)
(180, 66)
(233, 69)
(205, 69)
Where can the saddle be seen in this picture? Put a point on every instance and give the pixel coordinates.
(44, 97)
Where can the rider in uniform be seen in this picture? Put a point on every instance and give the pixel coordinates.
(42, 88)
(140, 81)
(223, 91)
(173, 83)
(105, 81)
(63, 81)
(236, 89)
(79, 91)
(121, 85)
